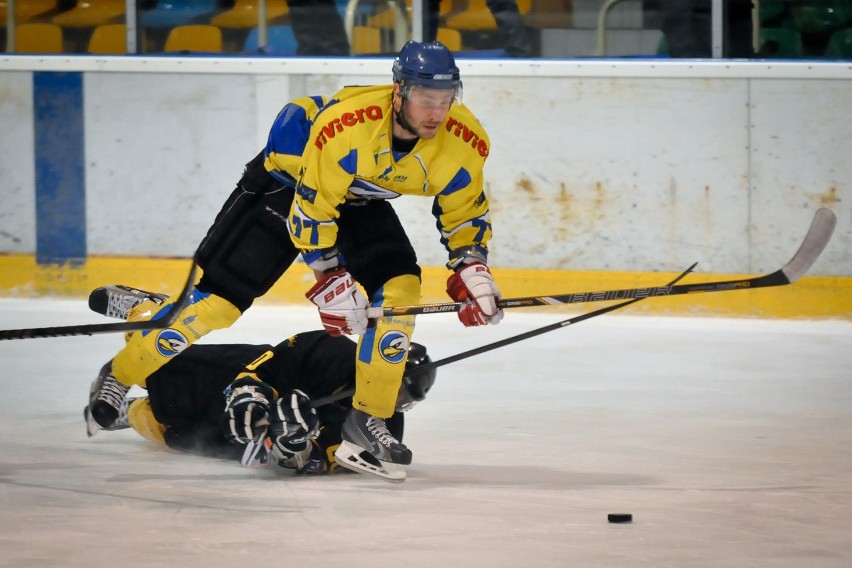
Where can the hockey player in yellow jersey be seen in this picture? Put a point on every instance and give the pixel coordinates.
(321, 189)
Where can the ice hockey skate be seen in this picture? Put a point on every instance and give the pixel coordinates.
(106, 398)
(123, 422)
(116, 300)
(368, 447)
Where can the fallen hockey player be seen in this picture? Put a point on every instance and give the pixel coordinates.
(251, 402)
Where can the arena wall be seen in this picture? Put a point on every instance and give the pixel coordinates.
(601, 173)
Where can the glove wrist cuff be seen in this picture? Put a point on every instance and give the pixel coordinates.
(467, 255)
(323, 260)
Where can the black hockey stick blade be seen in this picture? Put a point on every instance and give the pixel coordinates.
(316, 403)
(166, 319)
(812, 246)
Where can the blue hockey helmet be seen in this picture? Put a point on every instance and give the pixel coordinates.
(429, 65)
(415, 385)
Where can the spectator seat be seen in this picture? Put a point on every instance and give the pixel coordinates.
(450, 37)
(280, 40)
(26, 10)
(88, 14)
(172, 13)
(366, 40)
(38, 38)
(245, 14)
(477, 16)
(194, 37)
(108, 38)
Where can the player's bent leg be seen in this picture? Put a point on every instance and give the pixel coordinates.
(140, 417)
(147, 351)
(119, 301)
(367, 444)
(383, 350)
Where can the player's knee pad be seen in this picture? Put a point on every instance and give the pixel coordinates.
(403, 290)
(141, 418)
(383, 350)
(147, 351)
(399, 290)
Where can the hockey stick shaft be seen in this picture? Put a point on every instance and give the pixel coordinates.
(812, 246)
(165, 319)
(502, 343)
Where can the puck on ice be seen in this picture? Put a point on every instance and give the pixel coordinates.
(619, 518)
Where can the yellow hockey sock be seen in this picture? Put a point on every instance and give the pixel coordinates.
(147, 351)
(383, 350)
(141, 418)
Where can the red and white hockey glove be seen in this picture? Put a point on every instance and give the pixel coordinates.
(342, 307)
(474, 285)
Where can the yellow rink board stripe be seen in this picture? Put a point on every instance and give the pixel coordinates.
(821, 297)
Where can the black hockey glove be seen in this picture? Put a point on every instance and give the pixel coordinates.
(292, 428)
(246, 417)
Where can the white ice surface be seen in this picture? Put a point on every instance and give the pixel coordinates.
(730, 442)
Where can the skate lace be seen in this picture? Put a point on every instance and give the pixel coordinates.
(112, 392)
(122, 412)
(119, 305)
(379, 430)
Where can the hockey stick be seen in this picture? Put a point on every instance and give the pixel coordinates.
(163, 320)
(503, 342)
(253, 448)
(812, 246)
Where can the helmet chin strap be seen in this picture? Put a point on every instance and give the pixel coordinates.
(400, 119)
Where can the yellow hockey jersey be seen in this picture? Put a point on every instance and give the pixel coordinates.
(341, 149)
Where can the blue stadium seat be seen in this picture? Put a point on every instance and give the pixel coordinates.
(171, 13)
(280, 41)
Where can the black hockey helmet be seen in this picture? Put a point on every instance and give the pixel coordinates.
(415, 385)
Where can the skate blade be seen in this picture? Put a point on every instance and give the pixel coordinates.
(352, 457)
(92, 427)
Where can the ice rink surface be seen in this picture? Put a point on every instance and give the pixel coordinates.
(729, 440)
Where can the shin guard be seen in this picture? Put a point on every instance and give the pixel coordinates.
(383, 350)
(147, 351)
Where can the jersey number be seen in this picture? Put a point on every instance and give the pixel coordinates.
(260, 361)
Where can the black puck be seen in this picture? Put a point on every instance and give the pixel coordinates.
(620, 518)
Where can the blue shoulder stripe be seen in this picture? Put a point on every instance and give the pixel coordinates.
(460, 180)
(290, 131)
(349, 163)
